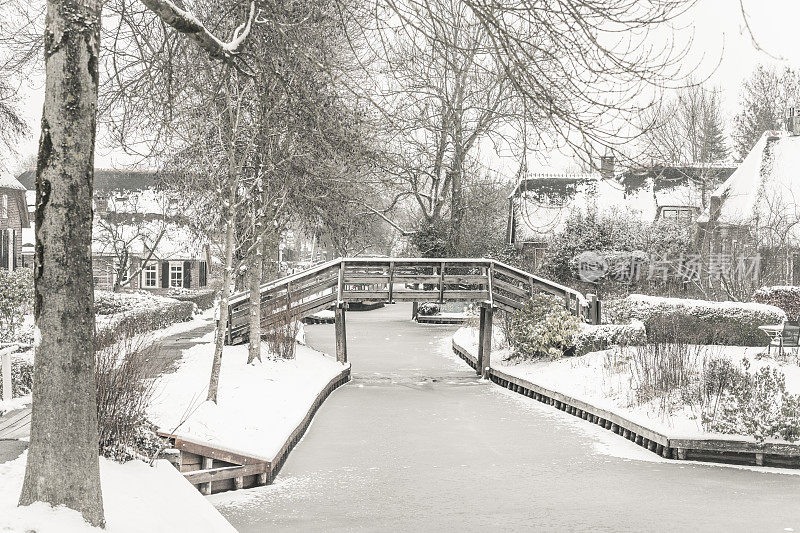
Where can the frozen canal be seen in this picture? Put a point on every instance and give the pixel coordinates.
(416, 443)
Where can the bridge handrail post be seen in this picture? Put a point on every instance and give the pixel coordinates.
(490, 283)
(441, 283)
(340, 286)
(391, 282)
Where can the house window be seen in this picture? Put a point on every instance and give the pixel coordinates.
(150, 276)
(676, 213)
(176, 274)
(4, 206)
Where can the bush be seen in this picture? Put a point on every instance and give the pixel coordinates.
(21, 376)
(543, 328)
(757, 404)
(124, 379)
(16, 301)
(165, 312)
(203, 299)
(428, 309)
(593, 338)
(282, 337)
(786, 298)
(696, 321)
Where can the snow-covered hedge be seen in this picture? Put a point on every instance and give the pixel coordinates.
(785, 297)
(21, 375)
(696, 321)
(592, 338)
(203, 299)
(138, 312)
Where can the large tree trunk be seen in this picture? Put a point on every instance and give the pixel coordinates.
(63, 466)
(254, 280)
(213, 384)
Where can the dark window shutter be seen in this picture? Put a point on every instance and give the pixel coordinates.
(187, 274)
(164, 274)
(203, 274)
(3, 248)
(14, 250)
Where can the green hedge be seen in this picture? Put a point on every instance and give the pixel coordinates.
(21, 376)
(141, 320)
(785, 297)
(695, 321)
(593, 338)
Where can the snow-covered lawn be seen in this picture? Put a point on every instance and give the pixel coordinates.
(603, 379)
(258, 405)
(136, 498)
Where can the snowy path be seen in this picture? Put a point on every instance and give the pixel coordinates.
(417, 443)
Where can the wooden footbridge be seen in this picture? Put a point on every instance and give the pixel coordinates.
(490, 284)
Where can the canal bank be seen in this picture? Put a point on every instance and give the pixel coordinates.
(417, 442)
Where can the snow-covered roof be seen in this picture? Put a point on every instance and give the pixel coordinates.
(176, 243)
(7, 181)
(766, 183)
(543, 205)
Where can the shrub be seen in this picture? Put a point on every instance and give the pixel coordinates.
(165, 312)
(592, 338)
(428, 309)
(786, 298)
(543, 328)
(696, 321)
(757, 404)
(282, 337)
(21, 376)
(16, 301)
(124, 379)
(203, 299)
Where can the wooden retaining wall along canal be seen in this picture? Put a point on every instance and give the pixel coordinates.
(734, 450)
(213, 469)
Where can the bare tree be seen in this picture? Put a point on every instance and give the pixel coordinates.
(764, 101)
(470, 74)
(63, 465)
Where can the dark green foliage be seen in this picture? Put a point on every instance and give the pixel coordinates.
(757, 404)
(787, 298)
(694, 321)
(432, 239)
(21, 377)
(16, 300)
(543, 328)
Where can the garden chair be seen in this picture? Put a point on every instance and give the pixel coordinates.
(782, 336)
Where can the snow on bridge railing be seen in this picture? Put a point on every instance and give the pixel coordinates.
(344, 280)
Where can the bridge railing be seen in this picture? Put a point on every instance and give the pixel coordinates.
(341, 281)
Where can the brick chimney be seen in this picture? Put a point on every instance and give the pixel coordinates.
(607, 163)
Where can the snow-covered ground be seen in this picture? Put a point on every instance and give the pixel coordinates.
(258, 405)
(600, 379)
(136, 498)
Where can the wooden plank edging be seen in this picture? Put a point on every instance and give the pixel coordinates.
(733, 449)
(239, 464)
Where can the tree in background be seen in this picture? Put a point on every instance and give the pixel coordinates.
(763, 104)
(685, 129)
(465, 75)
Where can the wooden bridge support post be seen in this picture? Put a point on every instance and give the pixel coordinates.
(485, 341)
(341, 335)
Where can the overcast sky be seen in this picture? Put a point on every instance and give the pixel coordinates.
(719, 37)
